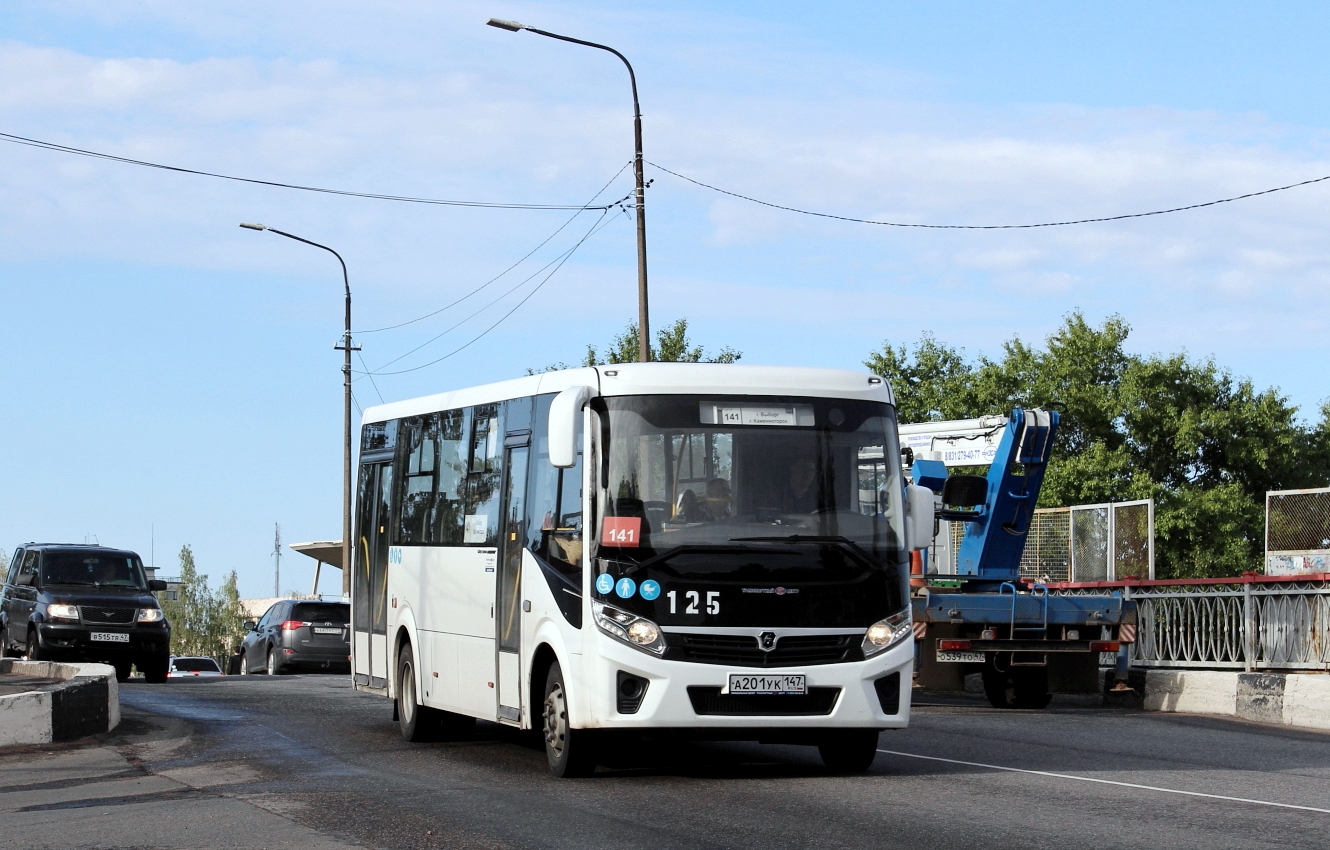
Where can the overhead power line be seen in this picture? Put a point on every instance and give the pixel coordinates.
(52, 146)
(988, 226)
(524, 258)
(596, 227)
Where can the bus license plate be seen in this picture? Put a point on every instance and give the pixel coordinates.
(748, 683)
(970, 657)
(109, 637)
(319, 631)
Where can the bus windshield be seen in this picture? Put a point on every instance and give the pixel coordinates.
(756, 489)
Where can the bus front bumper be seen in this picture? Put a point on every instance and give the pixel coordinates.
(874, 693)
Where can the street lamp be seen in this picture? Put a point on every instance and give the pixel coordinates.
(643, 338)
(347, 347)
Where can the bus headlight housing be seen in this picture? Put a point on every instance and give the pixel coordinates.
(885, 634)
(637, 632)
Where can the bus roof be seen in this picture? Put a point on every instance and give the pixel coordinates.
(653, 379)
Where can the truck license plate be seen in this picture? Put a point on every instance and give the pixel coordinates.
(748, 683)
(109, 637)
(950, 655)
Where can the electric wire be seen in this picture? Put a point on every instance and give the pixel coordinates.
(372, 382)
(599, 224)
(527, 256)
(988, 226)
(52, 146)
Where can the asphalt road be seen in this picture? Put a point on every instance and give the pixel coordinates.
(311, 753)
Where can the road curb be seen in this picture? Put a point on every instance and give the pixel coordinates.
(85, 701)
(1289, 699)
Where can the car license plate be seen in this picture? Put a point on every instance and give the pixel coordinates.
(109, 637)
(949, 655)
(749, 683)
(322, 631)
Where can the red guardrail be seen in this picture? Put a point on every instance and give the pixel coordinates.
(1245, 578)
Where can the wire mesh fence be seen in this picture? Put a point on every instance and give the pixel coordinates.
(1104, 542)
(1297, 531)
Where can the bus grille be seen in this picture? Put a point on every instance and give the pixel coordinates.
(744, 651)
(709, 700)
(107, 616)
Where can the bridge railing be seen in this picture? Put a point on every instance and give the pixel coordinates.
(1250, 622)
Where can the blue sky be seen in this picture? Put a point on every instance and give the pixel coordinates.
(171, 377)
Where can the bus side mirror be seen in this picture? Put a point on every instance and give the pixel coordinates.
(918, 517)
(24, 579)
(565, 414)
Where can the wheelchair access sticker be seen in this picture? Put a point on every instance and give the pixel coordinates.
(604, 583)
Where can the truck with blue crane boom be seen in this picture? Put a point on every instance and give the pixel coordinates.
(1026, 642)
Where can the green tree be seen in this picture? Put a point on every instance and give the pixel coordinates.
(672, 346)
(1204, 444)
(203, 621)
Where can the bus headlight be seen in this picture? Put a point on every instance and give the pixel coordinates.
(637, 632)
(150, 615)
(887, 633)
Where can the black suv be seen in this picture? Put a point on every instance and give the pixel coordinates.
(66, 602)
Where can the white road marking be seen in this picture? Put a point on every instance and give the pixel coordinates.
(1107, 782)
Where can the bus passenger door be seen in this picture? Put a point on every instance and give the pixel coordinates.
(369, 586)
(512, 541)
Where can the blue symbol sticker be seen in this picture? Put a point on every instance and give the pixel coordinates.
(604, 583)
(650, 590)
(625, 588)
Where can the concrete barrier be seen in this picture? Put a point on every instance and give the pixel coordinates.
(1289, 699)
(83, 700)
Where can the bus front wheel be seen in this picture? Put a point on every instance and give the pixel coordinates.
(570, 752)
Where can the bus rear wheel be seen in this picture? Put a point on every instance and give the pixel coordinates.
(570, 752)
(849, 751)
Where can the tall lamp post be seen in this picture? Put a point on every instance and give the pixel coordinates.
(346, 347)
(643, 337)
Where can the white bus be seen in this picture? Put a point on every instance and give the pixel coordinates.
(716, 550)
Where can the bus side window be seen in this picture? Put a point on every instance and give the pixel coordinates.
(446, 523)
(484, 483)
(419, 479)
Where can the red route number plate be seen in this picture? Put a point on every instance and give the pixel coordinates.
(624, 531)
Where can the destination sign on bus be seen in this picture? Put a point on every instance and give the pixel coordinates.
(778, 415)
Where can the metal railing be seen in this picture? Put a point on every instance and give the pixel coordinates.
(1247, 623)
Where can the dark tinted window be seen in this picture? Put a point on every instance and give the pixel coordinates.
(483, 492)
(433, 474)
(97, 569)
(196, 665)
(322, 612)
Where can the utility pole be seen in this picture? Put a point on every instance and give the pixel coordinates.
(639, 193)
(277, 562)
(346, 346)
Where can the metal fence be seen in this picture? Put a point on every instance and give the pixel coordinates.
(1248, 623)
(1106, 542)
(1297, 531)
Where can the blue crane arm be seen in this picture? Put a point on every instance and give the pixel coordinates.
(995, 538)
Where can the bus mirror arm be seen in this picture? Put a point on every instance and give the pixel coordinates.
(919, 510)
(565, 414)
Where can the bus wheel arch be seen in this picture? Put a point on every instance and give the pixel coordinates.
(541, 661)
